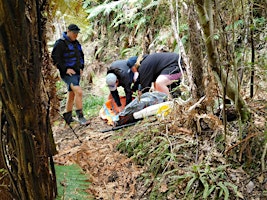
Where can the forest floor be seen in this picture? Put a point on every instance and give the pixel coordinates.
(109, 171)
(112, 175)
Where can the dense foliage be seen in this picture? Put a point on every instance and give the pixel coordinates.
(193, 153)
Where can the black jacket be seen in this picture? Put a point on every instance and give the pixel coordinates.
(67, 54)
(125, 78)
(156, 64)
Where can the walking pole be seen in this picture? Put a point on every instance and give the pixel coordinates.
(74, 133)
(71, 128)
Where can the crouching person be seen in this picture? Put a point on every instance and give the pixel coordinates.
(119, 74)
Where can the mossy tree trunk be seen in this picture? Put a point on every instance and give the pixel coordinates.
(25, 126)
(206, 21)
(196, 57)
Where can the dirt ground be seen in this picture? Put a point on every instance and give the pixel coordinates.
(112, 174)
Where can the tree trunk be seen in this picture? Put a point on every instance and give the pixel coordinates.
(206, 21)
(175, 25)
(196, 57)
(25, 128)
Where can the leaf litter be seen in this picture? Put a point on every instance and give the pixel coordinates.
(112, 174)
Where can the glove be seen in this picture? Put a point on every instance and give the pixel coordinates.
(136, 74)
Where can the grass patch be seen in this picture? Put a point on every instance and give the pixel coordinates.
(92, 104)
(71, 183)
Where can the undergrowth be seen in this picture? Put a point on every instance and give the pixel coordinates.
(179, 165)
(92, 104)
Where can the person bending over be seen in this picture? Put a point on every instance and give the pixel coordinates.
(162, 69)
(119, 74)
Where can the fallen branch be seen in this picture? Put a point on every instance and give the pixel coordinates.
(196, 104)
(244, 140)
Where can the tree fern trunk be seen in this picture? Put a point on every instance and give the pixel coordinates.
(25, 128)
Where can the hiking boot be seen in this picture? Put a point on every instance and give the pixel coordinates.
(81, 118)
(68, 117)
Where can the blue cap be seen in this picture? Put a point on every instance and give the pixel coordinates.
(131, 61)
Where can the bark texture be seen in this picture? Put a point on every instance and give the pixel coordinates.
(25, 127)
(196, 57)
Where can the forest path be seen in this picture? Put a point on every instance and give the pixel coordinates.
(112, 175)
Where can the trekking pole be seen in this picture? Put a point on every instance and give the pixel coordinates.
(70, 127)
(74, 133)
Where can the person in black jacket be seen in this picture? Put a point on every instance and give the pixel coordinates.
(68, 57)
(119, 74)
(162, 69)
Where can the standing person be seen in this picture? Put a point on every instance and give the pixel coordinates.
(162, 69)
(119, 74)
(68, 57)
